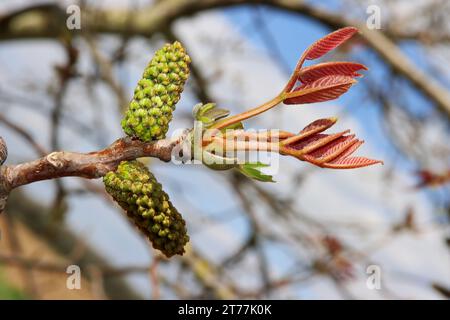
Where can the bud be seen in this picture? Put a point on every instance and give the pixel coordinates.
(157, 93)
(3, 151)
(138, 192)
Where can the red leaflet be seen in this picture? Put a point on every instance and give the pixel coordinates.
(319, 125)
(350, 150)
(332, 150)
(322, 89)
(325, 150)
(299, 145)
(312, 143)
(312, 73)
(313, 128)
(351, 163)
(328, 43)
(318, 49)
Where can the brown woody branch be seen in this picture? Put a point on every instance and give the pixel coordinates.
(90, 165)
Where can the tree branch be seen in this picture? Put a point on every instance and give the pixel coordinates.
(90, 165)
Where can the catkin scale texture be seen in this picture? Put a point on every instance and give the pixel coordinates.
(138, 192)
(157, 93)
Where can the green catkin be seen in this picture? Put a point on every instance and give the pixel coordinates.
(138, 192)
(157, 93)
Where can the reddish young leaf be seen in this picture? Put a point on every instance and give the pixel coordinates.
(318, 49)
(331, 150)
(349, 151)
(328, 43)
(325, 150)
(312, 73)
(319, 125)
(310, 144)
(323, 89)
(351, 163)
(299, 145)
(312, 128)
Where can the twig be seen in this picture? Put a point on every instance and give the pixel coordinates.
(86, 165)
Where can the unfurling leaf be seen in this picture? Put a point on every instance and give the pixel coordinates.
(318, 49)
(252, 170)
(311, 129)
(312, 73)
(328, 43)
(351, 163)
(325, 150)
(208, 113)
(322, 89)
(332, 150)
(349, 151)
(314, 142)
(319, 125)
